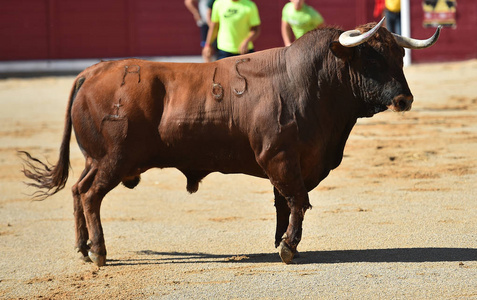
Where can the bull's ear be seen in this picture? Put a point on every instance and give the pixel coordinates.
(340, 51)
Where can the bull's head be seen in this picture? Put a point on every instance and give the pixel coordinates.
(375, 60)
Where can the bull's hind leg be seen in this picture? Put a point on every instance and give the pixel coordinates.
(92, 204)
(95, 185)
(81, 229)
(80, 222)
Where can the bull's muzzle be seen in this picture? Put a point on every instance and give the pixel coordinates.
(401, 103)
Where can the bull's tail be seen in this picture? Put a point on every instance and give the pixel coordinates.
(49, 179)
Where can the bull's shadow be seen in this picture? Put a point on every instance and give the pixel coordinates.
(411, 255)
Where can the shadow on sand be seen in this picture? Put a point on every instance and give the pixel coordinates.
(411, 255)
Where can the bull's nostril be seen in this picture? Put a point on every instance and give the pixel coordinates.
(402, 104)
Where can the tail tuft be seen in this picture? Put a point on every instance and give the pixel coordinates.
(47, 179)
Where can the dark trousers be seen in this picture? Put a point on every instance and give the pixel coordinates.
(393, 21)
(203, 34)
(223, 54)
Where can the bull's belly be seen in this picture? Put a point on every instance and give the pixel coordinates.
(208, 149)
(224, 160)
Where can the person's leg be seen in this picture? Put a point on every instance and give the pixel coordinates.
(223, 54)
(203, 34)
(397, 23)
(393, 22)
(389, 20)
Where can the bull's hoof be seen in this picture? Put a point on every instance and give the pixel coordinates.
(99, 260)
(84, 258)
(286, 254)
(83, 255)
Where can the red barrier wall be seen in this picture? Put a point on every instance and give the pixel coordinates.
(65, 29)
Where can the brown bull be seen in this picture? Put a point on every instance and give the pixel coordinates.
(283, 114)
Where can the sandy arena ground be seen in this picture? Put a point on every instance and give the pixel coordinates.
(397, 219)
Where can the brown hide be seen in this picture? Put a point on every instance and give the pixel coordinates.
(283, 114)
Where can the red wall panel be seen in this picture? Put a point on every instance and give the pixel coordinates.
(271, 20)
(89, 28)
(163, 28)
(60, 29)
(23, 29)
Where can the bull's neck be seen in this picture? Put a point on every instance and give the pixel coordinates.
(319, 77)
(302, 65)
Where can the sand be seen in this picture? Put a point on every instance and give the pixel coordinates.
(397, 219)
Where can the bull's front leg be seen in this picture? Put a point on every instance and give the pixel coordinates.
(298, 205)
(284, 172)
(283, 216)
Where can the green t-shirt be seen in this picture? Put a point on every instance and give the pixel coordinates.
(235, 19)
(301, 21)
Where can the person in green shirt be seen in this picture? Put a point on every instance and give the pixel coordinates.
(235, 24)
(297, 19)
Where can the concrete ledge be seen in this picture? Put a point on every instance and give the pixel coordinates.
(33, 68)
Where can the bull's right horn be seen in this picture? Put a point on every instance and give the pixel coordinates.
(417, 44)
(354, 37)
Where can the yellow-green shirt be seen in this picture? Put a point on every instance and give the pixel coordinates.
(303, 20)
(393, 5)
(235, 19)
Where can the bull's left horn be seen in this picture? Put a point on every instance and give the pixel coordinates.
(417, 44)
(354, 37)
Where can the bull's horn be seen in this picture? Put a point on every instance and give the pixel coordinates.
(417, 44)
(354, 37)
